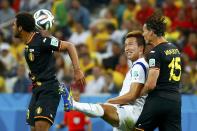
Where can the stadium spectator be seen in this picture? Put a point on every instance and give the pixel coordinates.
(187, 7)
(181, 21)
(122, 65)
(130, 10)
(96, 85)
(191, 46)
(60, 11)
(28, 5)
(145, 11)
(43, 4)
(6, 57)
(6, 12)
(91, 38)
(170, 9)
(2, 78)
(110, 86)
(22, 83)
(109, 16)
(112, 61)
(186, 86)
(194, 18)
(16, 49)
(80, 13)
(60, 66)
(119, 8)
(86, 63)
(80, 35)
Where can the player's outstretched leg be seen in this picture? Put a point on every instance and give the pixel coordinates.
(67, 97)
(105, 111)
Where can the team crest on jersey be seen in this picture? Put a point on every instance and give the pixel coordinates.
(54, 42)
(39, 110)
(151, 62)
(135, 75)
(31, 56)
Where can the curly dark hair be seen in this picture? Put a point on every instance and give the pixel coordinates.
(156, 23)
(26, 21)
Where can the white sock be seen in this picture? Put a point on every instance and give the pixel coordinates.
(92, 110)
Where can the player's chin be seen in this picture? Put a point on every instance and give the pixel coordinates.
(130, 58)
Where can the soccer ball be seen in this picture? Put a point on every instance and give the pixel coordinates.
(43, 19)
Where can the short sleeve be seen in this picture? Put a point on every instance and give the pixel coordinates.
(138, 74)
(50, 43)
(154, 60)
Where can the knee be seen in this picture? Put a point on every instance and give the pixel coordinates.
(110, 115)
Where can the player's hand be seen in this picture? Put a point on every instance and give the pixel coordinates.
(79, 77)
(110, 101)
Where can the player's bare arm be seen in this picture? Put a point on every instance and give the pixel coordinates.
(132, 95)
(150, 84)
(70, 48)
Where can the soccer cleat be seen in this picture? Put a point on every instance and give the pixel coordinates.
(66, 94)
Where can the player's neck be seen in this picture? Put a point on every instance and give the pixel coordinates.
(158, 40)
(27, 37)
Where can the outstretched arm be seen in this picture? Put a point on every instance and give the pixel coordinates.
(70, 48)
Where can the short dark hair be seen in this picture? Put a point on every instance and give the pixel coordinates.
(156, 23)
(26, 21)
(131, 2)
(138, 35)
(110, 26)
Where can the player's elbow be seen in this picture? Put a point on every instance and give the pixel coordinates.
(67, 46)
(151, 86)
(132, 97)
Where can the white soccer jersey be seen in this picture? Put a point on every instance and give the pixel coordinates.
(137, 73)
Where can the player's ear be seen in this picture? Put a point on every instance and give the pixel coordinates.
(141, 48)
(20, 28)
(151, 33)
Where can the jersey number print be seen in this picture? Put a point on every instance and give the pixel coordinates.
(175, 66)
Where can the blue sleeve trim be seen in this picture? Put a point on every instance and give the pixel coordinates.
(143, 66)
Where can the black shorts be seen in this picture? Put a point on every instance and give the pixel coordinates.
(44, 103)
(160, 112)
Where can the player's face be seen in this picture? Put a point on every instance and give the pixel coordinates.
(146, 34)
(132, 49)
(15, 30)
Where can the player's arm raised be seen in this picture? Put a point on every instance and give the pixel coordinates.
(70, 48)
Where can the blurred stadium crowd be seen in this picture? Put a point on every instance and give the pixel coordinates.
(97, 28)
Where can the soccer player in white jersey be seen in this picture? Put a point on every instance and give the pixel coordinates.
(123, 111)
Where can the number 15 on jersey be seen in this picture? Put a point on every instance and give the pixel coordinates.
(175, 66)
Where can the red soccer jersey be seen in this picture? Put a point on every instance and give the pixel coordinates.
(75, 121)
